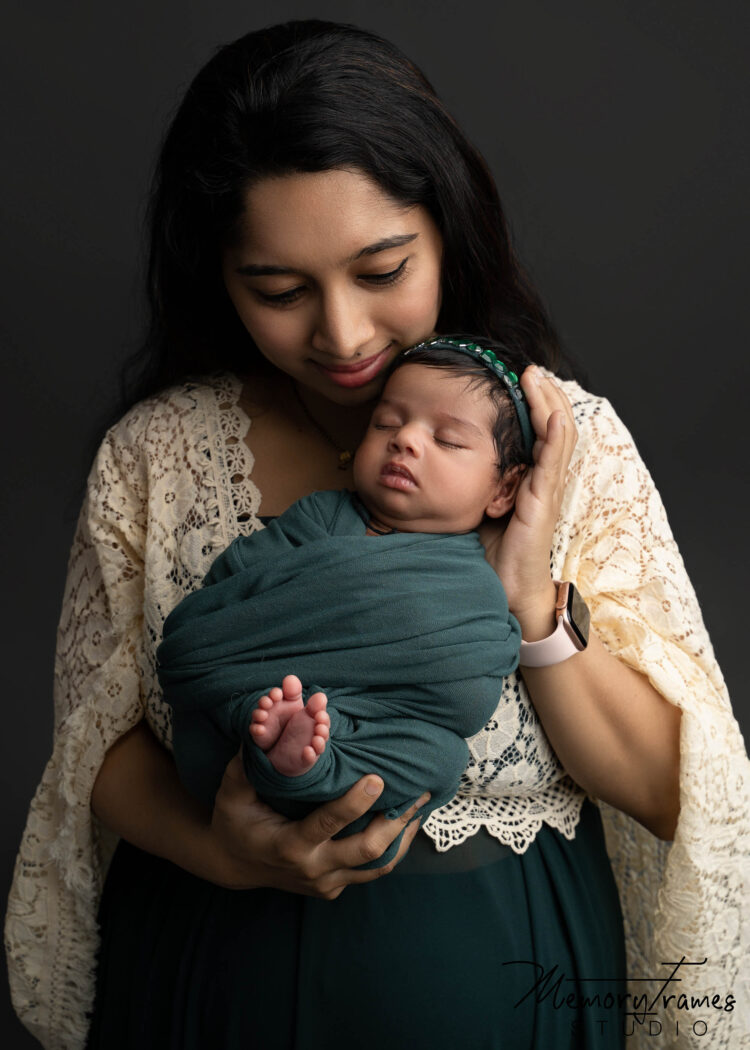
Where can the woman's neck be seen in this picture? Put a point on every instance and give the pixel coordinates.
(344, 425)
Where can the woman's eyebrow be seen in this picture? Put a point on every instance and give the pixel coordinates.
(383, 246)
(264, 270)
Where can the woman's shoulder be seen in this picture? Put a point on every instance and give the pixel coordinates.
(178, 407)
(178, 431)
(607, 477)
(600, 428)
(586, 404)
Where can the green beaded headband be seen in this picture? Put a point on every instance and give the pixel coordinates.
(500, 369)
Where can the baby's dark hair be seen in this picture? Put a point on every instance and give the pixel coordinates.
(506, 430)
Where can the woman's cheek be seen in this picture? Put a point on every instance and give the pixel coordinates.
(270, 328)
(419, 306)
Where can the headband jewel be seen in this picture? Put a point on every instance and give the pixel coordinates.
(500, 369)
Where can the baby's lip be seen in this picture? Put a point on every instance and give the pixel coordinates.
(392, 467)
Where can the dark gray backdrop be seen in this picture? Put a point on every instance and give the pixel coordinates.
(616, 131)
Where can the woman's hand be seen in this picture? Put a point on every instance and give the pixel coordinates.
(612, 731)
(254, 846)
(243, 844)
(521, 554)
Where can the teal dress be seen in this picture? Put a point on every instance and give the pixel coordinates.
(478, 947)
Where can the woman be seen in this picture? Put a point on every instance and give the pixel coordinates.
(315, 212)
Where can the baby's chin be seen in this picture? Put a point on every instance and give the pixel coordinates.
(435, 526)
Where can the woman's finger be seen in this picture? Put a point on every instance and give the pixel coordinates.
(366, 846)
(536, 390)
(378, 840)
(327, 820)
(546, 398)
(339, 880)
(235, 793)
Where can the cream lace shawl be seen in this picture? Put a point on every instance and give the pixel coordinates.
(169, 489)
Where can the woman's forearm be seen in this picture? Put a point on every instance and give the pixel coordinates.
(242, 843)
(138, 795)
(614, 734)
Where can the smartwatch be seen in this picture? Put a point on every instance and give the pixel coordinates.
(571, 635)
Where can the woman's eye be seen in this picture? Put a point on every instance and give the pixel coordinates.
(387, 278)
(281, 298)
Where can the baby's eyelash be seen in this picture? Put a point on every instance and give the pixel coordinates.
(448, 444)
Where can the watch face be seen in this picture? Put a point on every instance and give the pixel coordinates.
(578, 615)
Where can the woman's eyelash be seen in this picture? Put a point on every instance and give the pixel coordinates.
(290, 296)
(282, 298)
(387, 278)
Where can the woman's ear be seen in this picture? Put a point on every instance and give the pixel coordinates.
(505, 494)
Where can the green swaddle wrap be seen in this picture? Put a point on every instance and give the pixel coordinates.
(408, 634)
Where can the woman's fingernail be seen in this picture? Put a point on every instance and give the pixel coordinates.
(373, 786)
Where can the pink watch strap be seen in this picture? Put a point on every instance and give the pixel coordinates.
(557, 647)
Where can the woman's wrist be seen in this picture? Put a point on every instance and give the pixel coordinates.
(536, 614)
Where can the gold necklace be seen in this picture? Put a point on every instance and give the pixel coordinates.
(345, 454)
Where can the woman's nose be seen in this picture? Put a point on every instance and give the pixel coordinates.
(343, 325)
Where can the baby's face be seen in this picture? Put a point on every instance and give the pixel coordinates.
(428, 462)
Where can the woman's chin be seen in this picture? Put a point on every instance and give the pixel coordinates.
(351, 397)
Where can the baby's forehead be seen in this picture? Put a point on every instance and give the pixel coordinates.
(445, 397)
(422, 374)
(425, 384)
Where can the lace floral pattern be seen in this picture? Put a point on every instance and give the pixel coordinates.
(512, 784)
(170, 488)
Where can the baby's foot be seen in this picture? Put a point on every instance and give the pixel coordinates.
(303, 738)
(274, 711)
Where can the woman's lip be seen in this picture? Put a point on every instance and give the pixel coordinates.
(358, 374)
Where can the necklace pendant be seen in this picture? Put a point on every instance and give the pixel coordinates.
(345, 458)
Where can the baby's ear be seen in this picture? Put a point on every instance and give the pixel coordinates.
(505, 494)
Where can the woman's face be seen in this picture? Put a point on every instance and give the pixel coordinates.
(332, 278)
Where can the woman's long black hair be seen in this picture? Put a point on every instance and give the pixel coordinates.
(310, 96)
